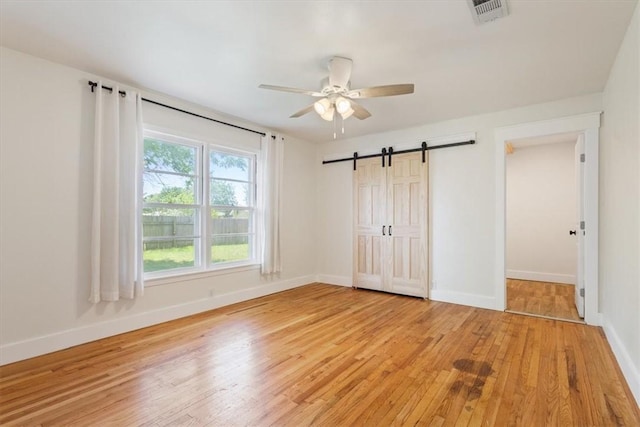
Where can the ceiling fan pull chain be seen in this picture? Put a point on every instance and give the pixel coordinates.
(334, 126)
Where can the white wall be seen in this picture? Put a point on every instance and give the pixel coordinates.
(46, 114)
(620, 207)
(462, 194)
(540, 211)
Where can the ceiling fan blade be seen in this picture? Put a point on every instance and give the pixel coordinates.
(291, 90)
(389, 90)
(339, 71)
(302, 112)
(359, 111)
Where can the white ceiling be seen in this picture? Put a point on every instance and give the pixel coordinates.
(216, 53)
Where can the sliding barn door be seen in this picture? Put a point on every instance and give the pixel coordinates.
(390, 225)
(407, 219)
(369, 189)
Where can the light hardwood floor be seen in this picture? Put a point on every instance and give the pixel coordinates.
(542, 298)
(327, 355)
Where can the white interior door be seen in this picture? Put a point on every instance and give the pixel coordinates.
(580, 233)
(407, 219)
(369, 190)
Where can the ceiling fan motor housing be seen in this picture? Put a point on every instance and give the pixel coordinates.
(339, 72)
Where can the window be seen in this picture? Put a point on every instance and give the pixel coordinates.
(190, 223)
(231, 204)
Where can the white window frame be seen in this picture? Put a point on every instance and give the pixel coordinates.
(203, 208)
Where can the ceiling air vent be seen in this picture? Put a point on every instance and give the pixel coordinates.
(487, 10)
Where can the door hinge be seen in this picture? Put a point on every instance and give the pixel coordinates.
(582, 158)
(582, 292)
(581, 225)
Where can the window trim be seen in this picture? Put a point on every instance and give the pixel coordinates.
(204, 266)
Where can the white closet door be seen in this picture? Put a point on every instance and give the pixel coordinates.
(369, 191)
(407, 258)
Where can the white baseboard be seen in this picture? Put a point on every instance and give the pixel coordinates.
(537, 276)
(335, 280)
(462, 298)
(21, 350)
(436, 294)
(629, 370)
(599, 320)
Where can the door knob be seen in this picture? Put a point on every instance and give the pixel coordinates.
(572, 232)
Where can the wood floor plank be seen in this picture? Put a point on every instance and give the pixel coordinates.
(327, 355)
(554, 300)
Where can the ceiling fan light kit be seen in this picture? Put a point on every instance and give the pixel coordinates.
(329, 114)
(322, 106)
(326, 107)
(342, 105)
(347, 113)
(337, 96)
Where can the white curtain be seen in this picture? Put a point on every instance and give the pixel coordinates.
(116, 267)
(272, 149)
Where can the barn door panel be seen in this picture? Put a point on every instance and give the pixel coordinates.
(390, 225)
(369, 191)
(406, 216)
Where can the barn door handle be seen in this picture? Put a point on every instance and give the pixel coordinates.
(389, 230)
(383, 230)
(571, 232)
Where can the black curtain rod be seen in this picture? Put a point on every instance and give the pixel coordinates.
(384, 152)
(110, 89)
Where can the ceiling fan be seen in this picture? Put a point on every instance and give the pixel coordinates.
(337, 96)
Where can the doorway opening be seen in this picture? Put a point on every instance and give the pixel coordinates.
(543, 186)
(588, 126)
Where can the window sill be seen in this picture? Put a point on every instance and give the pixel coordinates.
(184, 277)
